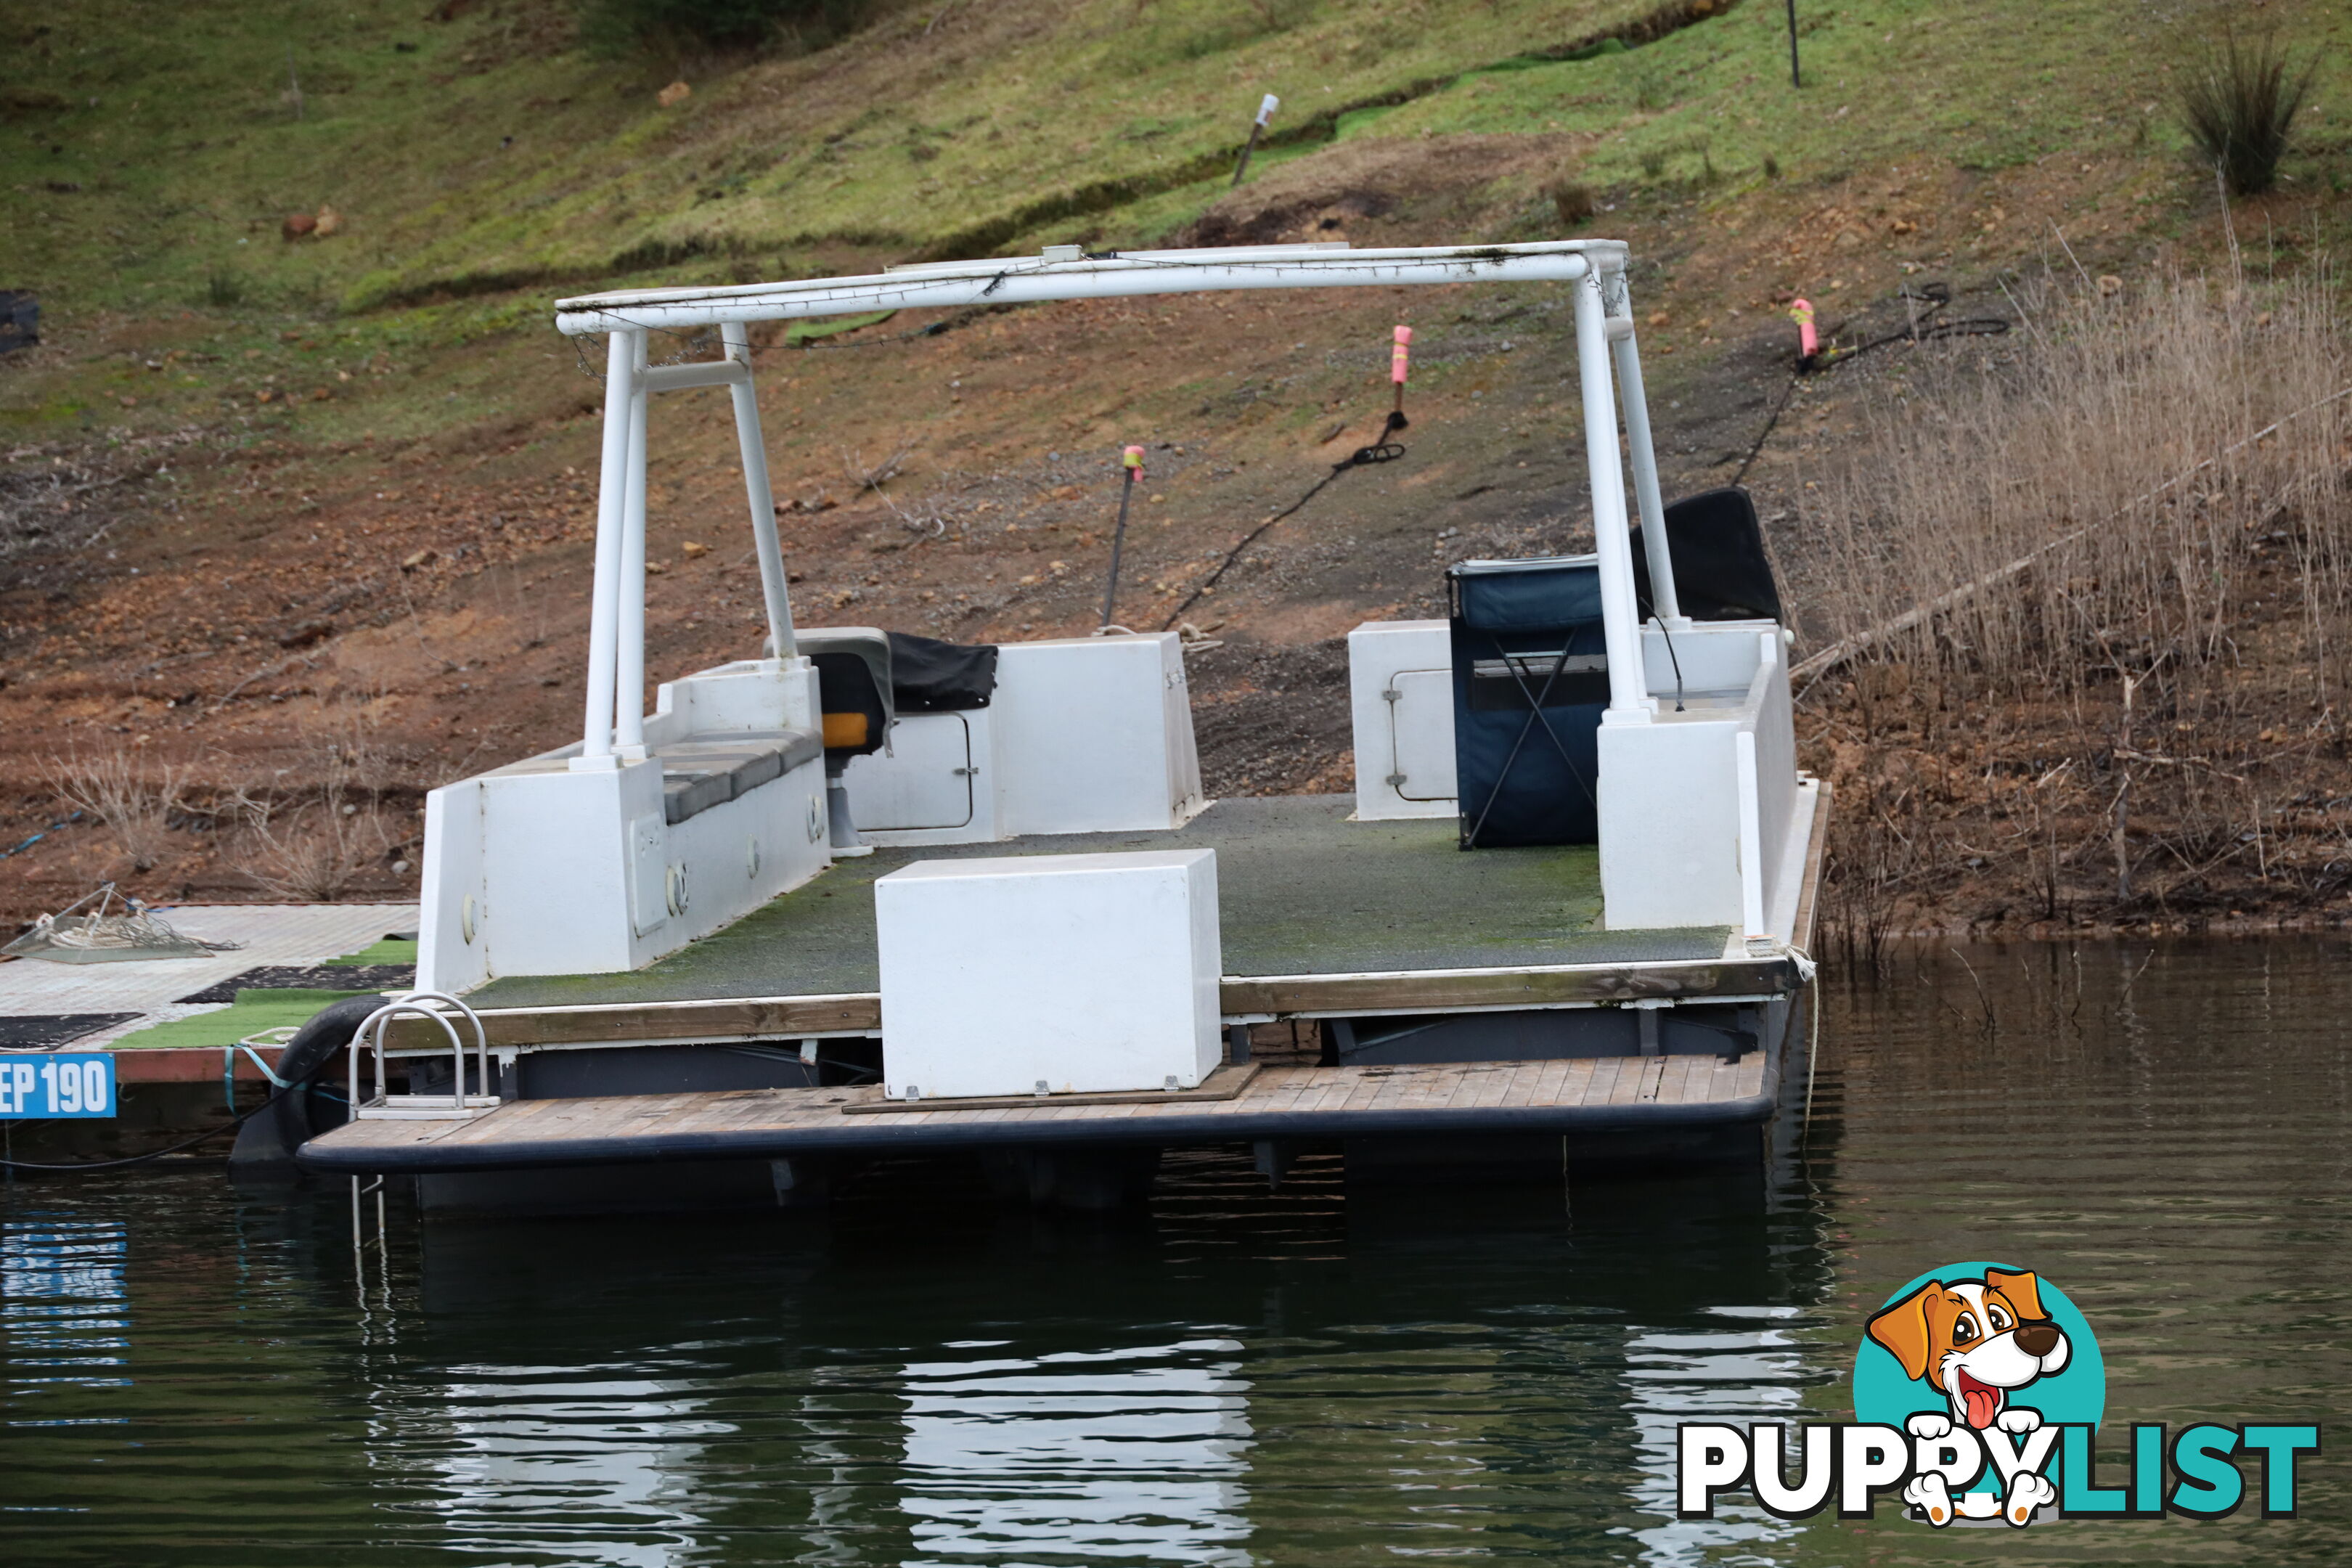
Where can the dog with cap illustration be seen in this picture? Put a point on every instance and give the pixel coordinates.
(1976, 1342)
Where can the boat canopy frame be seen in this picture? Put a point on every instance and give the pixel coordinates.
(614, 730)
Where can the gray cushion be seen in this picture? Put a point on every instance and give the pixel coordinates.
(700, 775)
(691, 794)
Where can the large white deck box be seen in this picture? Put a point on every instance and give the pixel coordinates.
(1082, 974)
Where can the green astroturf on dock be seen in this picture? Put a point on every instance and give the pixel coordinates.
(1301, 891)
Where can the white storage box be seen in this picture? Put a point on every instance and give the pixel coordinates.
(1400, 695)
(1087, 974)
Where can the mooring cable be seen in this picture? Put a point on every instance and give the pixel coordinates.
(300, 1082)
(1382, 450)
(1922, 327)
(210, 1132)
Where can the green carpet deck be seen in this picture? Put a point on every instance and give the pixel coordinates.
(1301, 891)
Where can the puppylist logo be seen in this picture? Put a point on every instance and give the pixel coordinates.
(1978, 1392)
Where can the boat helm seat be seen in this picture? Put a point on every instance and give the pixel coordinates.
(855, 707)
(854, 690)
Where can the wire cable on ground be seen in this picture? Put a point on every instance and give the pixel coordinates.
(1382, 450)
(43, 833)
(1923, 327)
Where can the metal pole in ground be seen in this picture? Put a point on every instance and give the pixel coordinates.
(1133, 457)
(1796, 79)
(1265, 107)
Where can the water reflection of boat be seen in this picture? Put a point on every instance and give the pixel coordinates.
(1137, 1455)
(597, 1467)
(938, 1380)
(1750, 1368)
(878, 893)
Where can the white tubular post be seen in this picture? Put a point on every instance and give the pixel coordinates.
(1620, 621)
(629, 661)
(1646, 467)
(612, 481)
(737, 340)
(1751, 840)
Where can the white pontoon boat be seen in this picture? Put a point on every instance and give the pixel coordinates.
(876, 894)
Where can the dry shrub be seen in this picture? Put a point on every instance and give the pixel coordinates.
(1574, 202)
(313, 844)
(2099, 450)
(111, 787)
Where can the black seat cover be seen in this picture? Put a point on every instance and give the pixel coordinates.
(927, 676)
(1721, 573)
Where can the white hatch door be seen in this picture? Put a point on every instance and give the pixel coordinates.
(1421, 720)
(922, 779)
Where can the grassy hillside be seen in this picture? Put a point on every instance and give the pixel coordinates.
(486, 150)
(159, 149)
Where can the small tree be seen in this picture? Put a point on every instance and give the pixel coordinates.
(2238, 106)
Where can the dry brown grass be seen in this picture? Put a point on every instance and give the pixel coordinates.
(2102, 451)
(2125, 705)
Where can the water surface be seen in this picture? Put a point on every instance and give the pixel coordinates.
(1321, 1375)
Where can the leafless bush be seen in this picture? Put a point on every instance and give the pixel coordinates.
(53, 505)
(312, 845)
(137, 807)
(2109, 456)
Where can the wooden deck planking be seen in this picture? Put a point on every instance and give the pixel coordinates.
(1604, 1080)
(1332, 1099)
(1551, 1081)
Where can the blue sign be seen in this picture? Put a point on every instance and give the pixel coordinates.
(49, 1084)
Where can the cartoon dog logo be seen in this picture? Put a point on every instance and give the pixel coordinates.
(1976, 1342)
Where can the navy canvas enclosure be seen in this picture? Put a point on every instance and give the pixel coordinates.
(1531, 681)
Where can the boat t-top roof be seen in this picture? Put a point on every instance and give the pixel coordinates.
(615, 728)
(1068, 272)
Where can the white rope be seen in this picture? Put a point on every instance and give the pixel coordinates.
(137, 931)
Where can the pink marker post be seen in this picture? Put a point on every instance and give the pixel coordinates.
(1809, 342)
(1133, 458)
(1400, 356)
